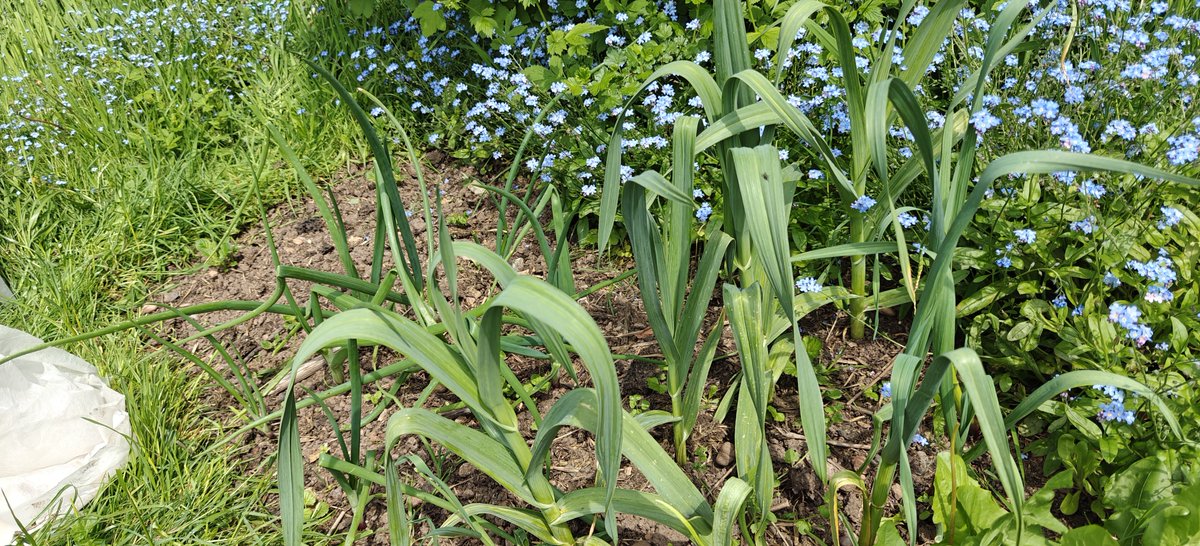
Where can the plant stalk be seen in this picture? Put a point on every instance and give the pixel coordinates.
(858, 280)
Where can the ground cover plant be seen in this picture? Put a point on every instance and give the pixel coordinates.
(1048, 300)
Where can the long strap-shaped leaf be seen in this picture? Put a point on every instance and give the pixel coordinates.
(745, 309)
(795, 120)
(789, 26)
(710, 97)
(333, 224)
(767, 208)
(556, 311)
(478, 449)
(731, 55)
(906, 366)
(577, 408)
(409, 258)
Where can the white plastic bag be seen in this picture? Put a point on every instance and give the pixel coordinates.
(63, 431)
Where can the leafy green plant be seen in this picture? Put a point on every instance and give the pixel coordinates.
(945, 162)
(664, 259)
(756, 212)
(934, 328)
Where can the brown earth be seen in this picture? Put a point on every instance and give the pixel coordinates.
(262, 346)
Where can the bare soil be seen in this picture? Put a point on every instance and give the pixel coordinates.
(852, 370)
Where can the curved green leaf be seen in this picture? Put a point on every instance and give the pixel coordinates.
(478, 449)
(730, 502)
(585, 502)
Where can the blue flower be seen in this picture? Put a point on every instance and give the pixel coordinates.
(1170, 217)
(1092, 189)
(885, 390)
(1115, 411)
(862, 204)
(1129, 318)
(1025, 236)
(1157, 293)
(1059, 302)
(1184, 149)
(1074, 95)
(984, 120)
(919, 440)
(1086, 226)
(1123, 315)
(1160, 270)
(588, 190)
(808, 285)
(1111, 280)
(906, 220)
(918, 14)
(1044, 108)
(704, 212)
(1121, 129)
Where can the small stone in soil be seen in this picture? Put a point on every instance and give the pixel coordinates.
(725, 454)
(149, 308)
(213, 273)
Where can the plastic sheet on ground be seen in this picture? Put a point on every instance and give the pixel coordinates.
(63, 432)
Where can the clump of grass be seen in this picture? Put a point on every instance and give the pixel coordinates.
(125, 133)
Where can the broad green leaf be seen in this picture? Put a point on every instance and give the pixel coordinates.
(585, 502)
(730, 502)
(959, 503)
(1088, 535)
(1177, 523)
(478, 449)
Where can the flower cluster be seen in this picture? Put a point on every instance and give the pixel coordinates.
(1129, 317)
(807, 285)
(1114, 409)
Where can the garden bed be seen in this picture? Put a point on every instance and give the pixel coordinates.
(855, 369)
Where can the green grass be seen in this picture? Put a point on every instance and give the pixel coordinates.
(170, 174)
(170, 490)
